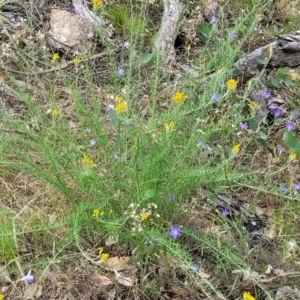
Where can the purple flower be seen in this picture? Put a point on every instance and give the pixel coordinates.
(185, 68)
(283, 188)
(92, 142)
(29, 278)
(215, 97)
(267, 95)
(297, 186)
(121, 71)
(280, 149)
(272, 106)
(90, 35)
(225, 211)
(171, 197)
(289, 125)
(194, 267)
(232, 35)
(200, 144)
(277, 112)
(244, 125)
(174, 232)
(222, 86)
(213, 20)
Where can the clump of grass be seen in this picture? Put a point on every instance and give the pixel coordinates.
(130, 169)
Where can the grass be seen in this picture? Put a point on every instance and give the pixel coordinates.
(93, 159)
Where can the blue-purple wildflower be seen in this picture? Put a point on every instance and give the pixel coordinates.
(120, 71)
(283, 188)
(194, 267)
(225, 211)
(28, 278)
(297, 187)
(185, 68)
(174, 232)
(267, 95)
(215, 97)
(277, 112)
(213, 20)
(280, 149)
(200, 144)
(232, 35)
(289, 125)
(244, 125)
(92, 142)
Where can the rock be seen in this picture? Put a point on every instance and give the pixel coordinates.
(68, 30)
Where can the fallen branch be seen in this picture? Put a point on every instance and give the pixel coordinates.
(286, 53)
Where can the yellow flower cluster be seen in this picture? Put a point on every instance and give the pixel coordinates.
(253, 105)
(179, 98)
(56, 113)
(144, 216)
(97, 212)
(122, 104)
(293, 156)
(231, 84)
(97, 3)
(248, 296)
(87, 162)
(76, 60)
(55, 57)
(236, 148)
(169, 126)
(104, 256)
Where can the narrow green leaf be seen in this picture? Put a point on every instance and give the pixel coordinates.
(114, 117)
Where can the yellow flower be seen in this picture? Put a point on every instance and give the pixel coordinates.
(104, 257)
(76, 60)
(144, 216)
(96, 212)
(55, 57)
(121, 107)
(169, 126)
(248, 296)
(111, 211)
(100, 249)
(293, 156)
(102, 213)
(55, 113)
(97, 3)
(236, 148)
(188, 47)
(87, 162)
(179, 97)
(253, 105)
(231, 84)
(1, 297)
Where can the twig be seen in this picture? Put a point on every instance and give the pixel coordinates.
(63, 66)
